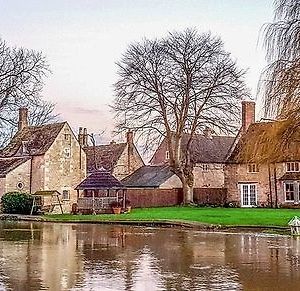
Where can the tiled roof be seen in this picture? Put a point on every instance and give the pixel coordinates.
(100, 179)
(212, 149)
(9, 164)
(148, 176)
(38, 140)
(267, 142)
(105, 156)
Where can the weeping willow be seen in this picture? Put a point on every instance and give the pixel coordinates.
(281, 78)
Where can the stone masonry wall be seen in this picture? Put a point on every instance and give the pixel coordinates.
(236, 174)
(62, 172)
(19, 175)
(124, 167)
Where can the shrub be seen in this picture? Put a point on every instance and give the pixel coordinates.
(16, 203)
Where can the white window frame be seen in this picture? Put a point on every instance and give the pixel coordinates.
(291, 167)
(296, 186)
(167, 155)
(252, 168)
(241, 193)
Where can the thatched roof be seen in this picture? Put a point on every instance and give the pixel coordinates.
(101, 179)
(268, 142)
(9, 164)
(38, 140)
(105, 156)
(148, 177)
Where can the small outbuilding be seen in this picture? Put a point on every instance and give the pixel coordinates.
(98, 190)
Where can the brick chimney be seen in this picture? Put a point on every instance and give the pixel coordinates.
(23, 118)
(248, 114)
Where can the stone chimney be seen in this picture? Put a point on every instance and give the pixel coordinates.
(23, 118)
(85, 137)
(80, 136)
(208, 132)
(248, 114)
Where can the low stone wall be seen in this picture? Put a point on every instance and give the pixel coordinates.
(141, 197)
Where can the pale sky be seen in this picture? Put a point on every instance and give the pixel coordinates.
(82, 40)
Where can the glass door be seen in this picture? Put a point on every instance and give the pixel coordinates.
(248, 195)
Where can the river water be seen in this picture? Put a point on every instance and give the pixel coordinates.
(36, 256)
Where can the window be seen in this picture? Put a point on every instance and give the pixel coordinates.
(67, 153)
(20, 185)
(248, 195)
(289, 189)
(67, 138)
(253, 168)
(66, 195)
(293, 167)
(167, 155)
(205, 167)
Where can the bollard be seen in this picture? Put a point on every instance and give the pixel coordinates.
(294, 224)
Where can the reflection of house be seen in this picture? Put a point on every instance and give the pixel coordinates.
(46, 157)
(250, 180)
(121, 159)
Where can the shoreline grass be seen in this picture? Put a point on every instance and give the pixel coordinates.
(217, 216)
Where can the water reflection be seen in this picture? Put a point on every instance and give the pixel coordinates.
(95, 257)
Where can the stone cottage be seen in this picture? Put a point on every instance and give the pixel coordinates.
(256, 177)
(209, 153)
(43, 158)
(120, 159)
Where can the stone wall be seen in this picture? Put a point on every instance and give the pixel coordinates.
(129, 161)
(63, 172)
(21, 174)
(236, 174)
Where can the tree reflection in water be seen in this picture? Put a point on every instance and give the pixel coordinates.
(104, 257)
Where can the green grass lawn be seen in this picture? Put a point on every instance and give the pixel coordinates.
(218, 216)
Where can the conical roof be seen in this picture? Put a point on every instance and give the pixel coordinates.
(101, 179)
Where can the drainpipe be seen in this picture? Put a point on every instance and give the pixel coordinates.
(31, 172)
(270, 186)
(275, 187)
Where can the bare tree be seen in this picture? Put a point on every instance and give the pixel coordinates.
(21, 80)
(281, 79)
(178, 85)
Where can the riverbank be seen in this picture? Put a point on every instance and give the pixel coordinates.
(195, 217)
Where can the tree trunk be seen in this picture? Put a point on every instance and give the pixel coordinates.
(188, 193)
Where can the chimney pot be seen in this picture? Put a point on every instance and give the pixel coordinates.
(23, 118)
(248, 114)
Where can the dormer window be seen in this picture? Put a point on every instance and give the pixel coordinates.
(167, 155)
(253, 168)
(293, 167)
